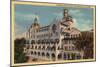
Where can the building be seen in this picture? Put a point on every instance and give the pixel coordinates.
(55, 41)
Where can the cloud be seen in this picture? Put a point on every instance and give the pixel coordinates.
(82, 19)
(76, 13)
(82, 24)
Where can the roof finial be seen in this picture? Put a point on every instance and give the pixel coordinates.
(36, 18)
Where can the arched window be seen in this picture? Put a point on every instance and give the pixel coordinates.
(60, 56)
(48, 48)
(43, 48)
(43, 54)
(32, 47)
(28, 47)
(53, 56)
(31, 52)
(35, 47)
(35, 53)
(32, 42)
(39, 53)
(39, 47)
(53, 48)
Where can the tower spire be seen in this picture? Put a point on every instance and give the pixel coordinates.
(36, 19)
(36, 24)
(65, 13)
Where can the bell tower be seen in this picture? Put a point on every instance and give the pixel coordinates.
(67, 19)
(66, 16)
(65, 13)
(36, 24)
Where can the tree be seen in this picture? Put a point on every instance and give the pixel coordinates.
(85, 43)
(19, 56)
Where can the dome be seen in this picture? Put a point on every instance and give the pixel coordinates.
(36, 22)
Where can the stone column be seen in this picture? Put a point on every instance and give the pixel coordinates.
(56, 54)
(82, 54)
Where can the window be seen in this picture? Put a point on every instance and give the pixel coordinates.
(35, 47)
(31, 52)
(47, 55)
(39, 53)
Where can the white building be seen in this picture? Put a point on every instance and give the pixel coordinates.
(55, 41)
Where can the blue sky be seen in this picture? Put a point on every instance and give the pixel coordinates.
(24, 16)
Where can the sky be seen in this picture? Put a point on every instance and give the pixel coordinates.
(25, 14)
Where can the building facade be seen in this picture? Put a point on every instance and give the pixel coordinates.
(55, 41)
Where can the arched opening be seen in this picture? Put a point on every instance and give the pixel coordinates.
(35, 47)
(60, 56)
(73, 56)
(39, 53)
(48, 48)
(65, 57)
(32, 42)
(32, 47)
(42, 41)
(68, 56)
(39, 48)
(78, 56)
(28, 47)
(47, 55)
(53, 48)
(43, 54)
(35, 53)
(53, 56)
(43, 48)
(31, 52)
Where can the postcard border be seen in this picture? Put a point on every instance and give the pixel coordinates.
(47, 4)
